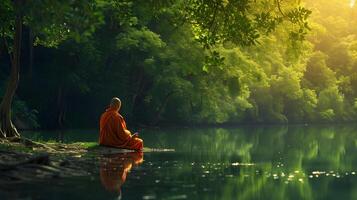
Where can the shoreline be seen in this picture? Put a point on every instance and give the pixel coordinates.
(169, 124)
(198, 126)
(29, 161)
(21, 162)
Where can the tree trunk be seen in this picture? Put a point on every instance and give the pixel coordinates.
(7, 129)
(31, 51)
(61, 106)
(162, 108)
(138, 92)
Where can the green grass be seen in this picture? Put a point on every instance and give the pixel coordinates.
(87, 145)
(18, 148)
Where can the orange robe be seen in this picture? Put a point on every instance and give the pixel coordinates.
(113, 132)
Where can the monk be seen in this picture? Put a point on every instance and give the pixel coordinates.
(113, 130)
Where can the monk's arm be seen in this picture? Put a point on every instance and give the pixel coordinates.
(127, 132)
(131, 135)
(122, 131)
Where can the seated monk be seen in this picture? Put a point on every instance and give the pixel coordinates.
(113, 131)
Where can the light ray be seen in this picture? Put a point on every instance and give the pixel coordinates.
(352, 3)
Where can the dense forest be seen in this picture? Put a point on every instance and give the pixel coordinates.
(167, 70)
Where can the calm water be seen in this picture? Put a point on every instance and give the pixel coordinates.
(296, 162)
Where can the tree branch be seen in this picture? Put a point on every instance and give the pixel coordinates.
(279, 7)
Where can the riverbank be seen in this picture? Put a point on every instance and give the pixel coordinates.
(25, 160)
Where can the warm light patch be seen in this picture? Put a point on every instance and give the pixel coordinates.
(352, 3)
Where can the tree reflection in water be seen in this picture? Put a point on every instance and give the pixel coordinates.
(296, 162)
(115, 167)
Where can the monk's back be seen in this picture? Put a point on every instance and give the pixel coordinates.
(110, 129)
(113, 131)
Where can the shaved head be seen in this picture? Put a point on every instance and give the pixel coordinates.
(115, 103)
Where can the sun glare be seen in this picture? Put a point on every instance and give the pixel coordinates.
(352, 3)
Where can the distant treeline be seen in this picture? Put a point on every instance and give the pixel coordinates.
(163, 75)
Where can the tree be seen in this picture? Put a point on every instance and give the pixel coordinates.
(141, 30)
(51, 23)
(243, 22)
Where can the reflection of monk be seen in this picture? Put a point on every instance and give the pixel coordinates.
(113, 131)
(114, 168)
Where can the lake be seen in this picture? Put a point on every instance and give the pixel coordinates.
(250, 162)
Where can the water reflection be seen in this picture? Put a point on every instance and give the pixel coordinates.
(114, 169)
(249, 163)
(314, 162)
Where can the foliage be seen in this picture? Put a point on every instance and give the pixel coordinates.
(190, 62)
